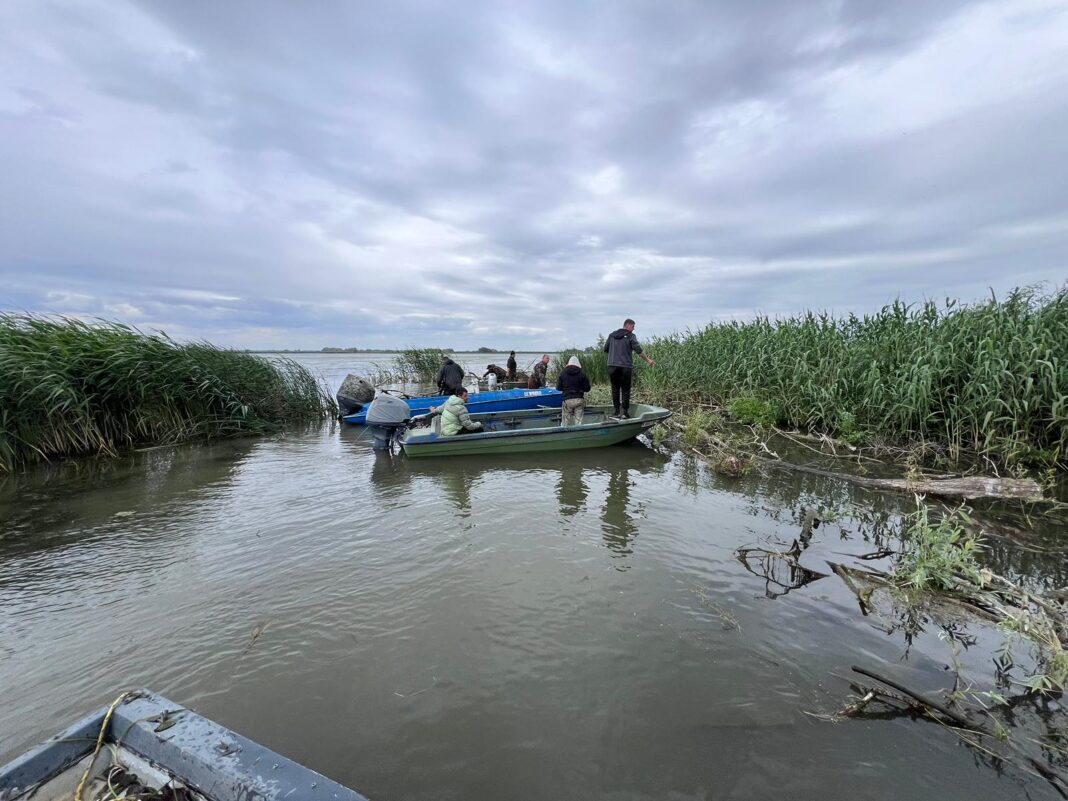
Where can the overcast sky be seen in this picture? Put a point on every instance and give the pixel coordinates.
(522, 175)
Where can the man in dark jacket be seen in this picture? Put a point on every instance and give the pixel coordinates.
(619, 346)
(511, 366)
(574, 384)
(450, 377)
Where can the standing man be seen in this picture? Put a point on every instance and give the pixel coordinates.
(574, 384)
(511, 366)
(619, 346)
(537, 376)
(450, 377)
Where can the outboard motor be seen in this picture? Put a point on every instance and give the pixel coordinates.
(386, 418)
(353, 395)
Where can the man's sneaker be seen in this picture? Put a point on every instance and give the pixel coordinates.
(626, 414)
(615, 412)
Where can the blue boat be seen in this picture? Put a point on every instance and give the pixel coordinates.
(144, 746)
(505, 400)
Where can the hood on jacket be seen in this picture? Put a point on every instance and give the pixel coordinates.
(572, 369)
(619, 333)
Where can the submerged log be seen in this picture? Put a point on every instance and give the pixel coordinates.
(967, 487)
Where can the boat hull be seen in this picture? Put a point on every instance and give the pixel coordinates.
(481, 402)
(534, 432)
(162, 743)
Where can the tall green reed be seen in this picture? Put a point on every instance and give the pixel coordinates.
(988, 380)
(70, 388)
(594, 362)
(418, 364)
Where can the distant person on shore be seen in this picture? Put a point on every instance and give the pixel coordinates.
(511, 365)
(450, 377)
(537, 375)
(455, 419)
(495, 370)
(619, 346)
(574, 383)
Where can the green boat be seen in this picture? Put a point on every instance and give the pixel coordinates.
(533, 430)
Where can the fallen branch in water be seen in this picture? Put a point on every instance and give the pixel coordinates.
(970, 487)
(947, 715)
(929, 703)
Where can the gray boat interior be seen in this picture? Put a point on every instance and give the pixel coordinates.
(535, 419)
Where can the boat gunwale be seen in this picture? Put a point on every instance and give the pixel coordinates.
(179, 742)
(646, 420)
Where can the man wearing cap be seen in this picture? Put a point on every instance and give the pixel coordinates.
(573, 382)
(492, 369)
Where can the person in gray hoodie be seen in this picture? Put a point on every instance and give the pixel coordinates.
(619, 346)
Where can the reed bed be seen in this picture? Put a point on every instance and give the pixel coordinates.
(985, 381)
(418, 364)
(593, 359)
(69, 388)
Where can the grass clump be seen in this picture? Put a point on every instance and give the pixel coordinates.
(418, 364)
(69, 388)
(753, 411)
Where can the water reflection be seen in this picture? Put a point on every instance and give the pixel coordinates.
(571, 490)
(578, 478)
(618, 525)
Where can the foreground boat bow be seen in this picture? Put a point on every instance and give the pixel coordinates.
(169, 752)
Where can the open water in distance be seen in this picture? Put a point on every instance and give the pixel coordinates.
(528, 627)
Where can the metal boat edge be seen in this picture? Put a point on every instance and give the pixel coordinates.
(189, 751)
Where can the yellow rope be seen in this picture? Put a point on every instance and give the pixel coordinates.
(99, 743)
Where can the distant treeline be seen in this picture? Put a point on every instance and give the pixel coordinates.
(988, 380)
(68, 388)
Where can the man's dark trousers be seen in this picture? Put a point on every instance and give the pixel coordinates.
(620, 378)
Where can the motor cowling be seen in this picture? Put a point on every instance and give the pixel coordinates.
(386, 417)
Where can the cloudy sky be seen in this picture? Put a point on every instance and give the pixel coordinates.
(522, 175)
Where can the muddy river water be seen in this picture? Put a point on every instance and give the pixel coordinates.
(528, 627)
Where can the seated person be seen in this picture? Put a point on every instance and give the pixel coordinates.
(455, 418)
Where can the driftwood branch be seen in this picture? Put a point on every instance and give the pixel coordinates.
(956, 717)
(1055, 780)
(968, 487)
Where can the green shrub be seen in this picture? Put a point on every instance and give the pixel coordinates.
(752, 411)
(938, 555)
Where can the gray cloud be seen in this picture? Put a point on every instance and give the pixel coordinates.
(277, 174)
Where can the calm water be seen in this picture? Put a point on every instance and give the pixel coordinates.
(526, 628)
